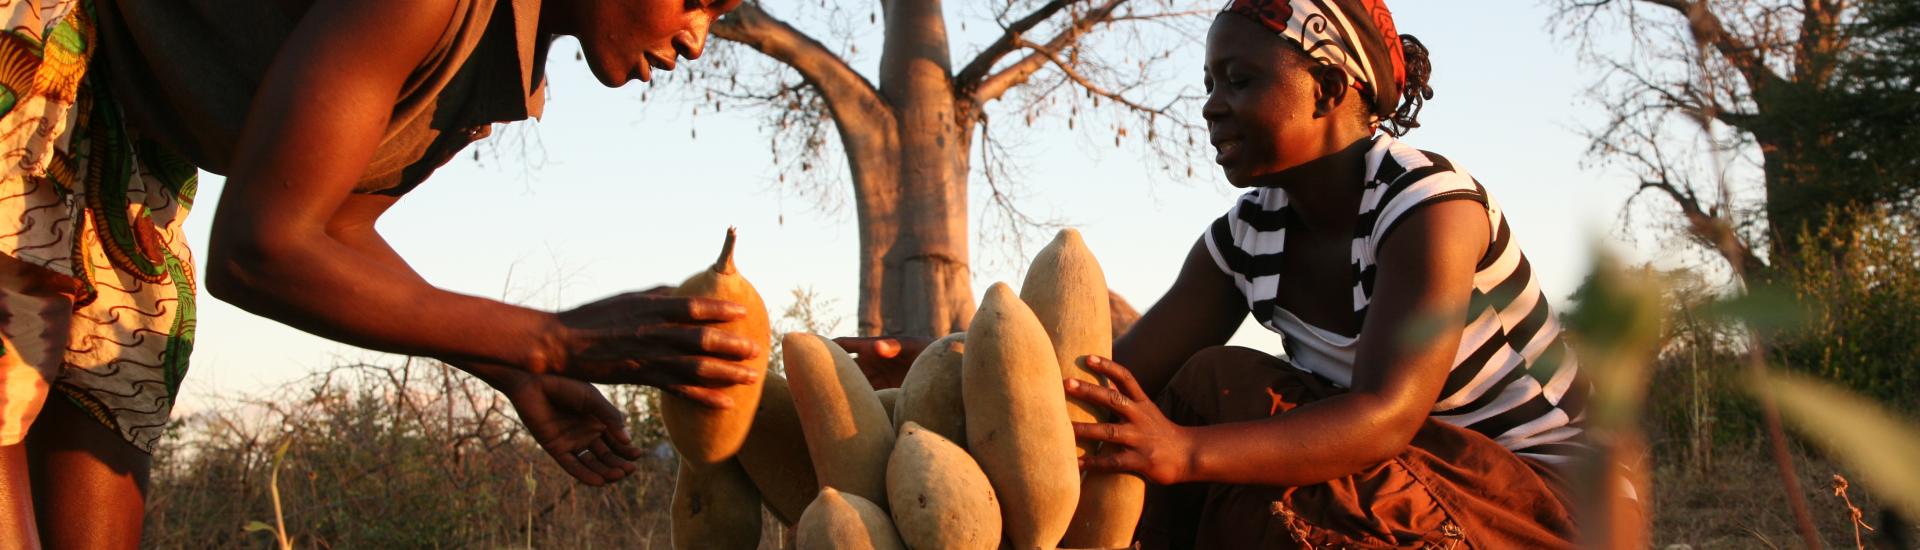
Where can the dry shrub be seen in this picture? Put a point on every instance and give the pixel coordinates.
(1856, 324)
(414, 455)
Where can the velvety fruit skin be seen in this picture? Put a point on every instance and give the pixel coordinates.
(842, 521)
(930, 394)
(889, 399)
(1068, 293)
(775, 454)
(940, 497)
(1017, 425)
(715, 507)
(700, 434)
(847, 430)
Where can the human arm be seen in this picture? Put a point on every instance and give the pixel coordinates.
(278, 245)
(884, 359)
(564, 416)
(1201, 309)
(1407, 345)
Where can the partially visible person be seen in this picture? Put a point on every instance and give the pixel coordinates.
(884, 359)
(322, 115)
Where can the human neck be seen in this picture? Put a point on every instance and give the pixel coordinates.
(1325, 192)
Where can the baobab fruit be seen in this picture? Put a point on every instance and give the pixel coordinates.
(1109, 509)
(775, 454)
(704, 435)
(847, 431)
(1017, 425)
(844, 521)
(930, 394)
(715, 507)
(1068, 293)
(889, 399)
(940, 497)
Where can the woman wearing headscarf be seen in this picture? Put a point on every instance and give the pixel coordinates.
(1426, 397)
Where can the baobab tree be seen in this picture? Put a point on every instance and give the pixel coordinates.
(1819, 94)
(909, 127)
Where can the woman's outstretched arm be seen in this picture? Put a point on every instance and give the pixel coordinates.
(317, 119)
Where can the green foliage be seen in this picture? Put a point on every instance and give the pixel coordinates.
(1617, 325)
(1846, 309)
(1827, 101)
(1840, 326)
(1863, 328)
(1876, 107)
(1846, 145)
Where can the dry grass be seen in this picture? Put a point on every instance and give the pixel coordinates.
(412, 456)
(1736, 501)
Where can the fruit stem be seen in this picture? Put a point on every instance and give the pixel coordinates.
(724, 265)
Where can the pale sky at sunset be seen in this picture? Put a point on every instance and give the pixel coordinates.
(625, 200)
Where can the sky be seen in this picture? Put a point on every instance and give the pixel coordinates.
(622, 194)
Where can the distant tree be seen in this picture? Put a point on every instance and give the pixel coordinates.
(908, 129)
(1822, 93)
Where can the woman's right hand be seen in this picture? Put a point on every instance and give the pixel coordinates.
(651, 338)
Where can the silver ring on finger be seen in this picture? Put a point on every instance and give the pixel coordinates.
(582, 454)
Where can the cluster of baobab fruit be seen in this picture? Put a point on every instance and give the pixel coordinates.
(975, 450)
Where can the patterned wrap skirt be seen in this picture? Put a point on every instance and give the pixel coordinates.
(96, 283)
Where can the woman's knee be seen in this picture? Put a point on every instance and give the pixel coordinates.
(1209, 365)
(1226, 384)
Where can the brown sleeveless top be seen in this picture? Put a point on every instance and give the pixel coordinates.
(185, 72)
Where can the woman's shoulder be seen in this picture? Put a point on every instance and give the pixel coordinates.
(1403, 177)
(1393, 161)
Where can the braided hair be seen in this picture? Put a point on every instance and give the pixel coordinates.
(1416, 92)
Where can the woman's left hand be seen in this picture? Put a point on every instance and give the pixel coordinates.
(1141, 440)
(570, 420)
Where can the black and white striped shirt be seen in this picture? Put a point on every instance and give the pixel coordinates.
(1513, 379)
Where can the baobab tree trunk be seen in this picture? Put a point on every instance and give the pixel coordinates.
(907, 145)
(925, 288)
(908, 135)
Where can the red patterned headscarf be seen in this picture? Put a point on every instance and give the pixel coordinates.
(1358, 36)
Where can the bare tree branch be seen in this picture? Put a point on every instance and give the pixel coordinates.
(1067, 68)
(1709, 228)
(992, 87)
(983, 63)
(1005, 222)
(853, 100)
(1690, 99)
(1708, 29)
